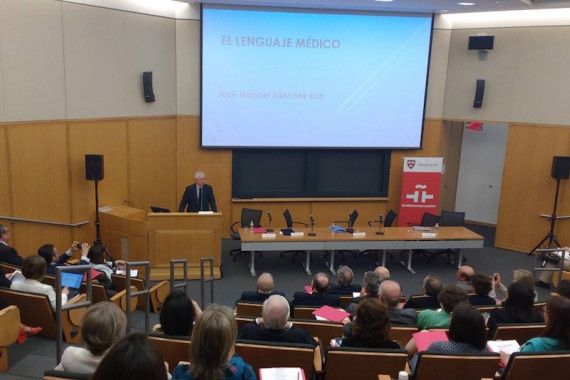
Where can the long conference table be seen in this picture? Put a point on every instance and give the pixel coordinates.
(392, 238)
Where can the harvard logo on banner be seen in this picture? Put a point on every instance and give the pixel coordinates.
(420, 189)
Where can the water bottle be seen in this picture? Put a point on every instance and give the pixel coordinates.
(402, 375)
(437, 227)
(333, 228)
(251, 226)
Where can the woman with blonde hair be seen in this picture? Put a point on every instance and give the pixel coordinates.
(519, 275)
(212, 351)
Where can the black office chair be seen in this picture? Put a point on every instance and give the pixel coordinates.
(290, 222)
(387, 222)
(428, 220)
(350, 228)
(447, 219)
(248, 215)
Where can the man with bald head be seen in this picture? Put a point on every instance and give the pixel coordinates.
(391, 295)
(383, 272)
(264, 289)
(274, 326)
(464, 274)
(319, 296)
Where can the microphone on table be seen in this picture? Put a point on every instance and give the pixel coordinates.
(270, 219)
(350, 229)
(379, 232)
(312, 233)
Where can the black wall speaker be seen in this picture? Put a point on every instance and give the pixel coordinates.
(560, 167)
(94, 168)
(147, 87)
(481, 42)
(479, 91)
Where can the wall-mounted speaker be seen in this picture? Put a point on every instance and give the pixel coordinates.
(560, 167)
(479, 92)
(94, 167)
(147, 87)
(481, 42)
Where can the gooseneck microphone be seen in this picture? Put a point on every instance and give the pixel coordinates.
(270, 219)
(379, 232)
(350, 229)
(312, 233)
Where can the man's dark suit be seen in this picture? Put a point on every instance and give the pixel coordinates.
(190, 199)
(315, 299)
(295, 334)
(422, 302)
(9, 255)
(344, 289)
(254, 296)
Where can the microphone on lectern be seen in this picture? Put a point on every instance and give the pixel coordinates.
(270, 219)
(379, 232)
(350, 229)
(312, 233)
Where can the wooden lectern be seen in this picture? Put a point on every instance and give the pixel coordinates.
(160, 237)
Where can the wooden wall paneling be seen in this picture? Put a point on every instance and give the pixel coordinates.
(451, 136)
(109, 138)
(6, 204)
(39, 183)
(152, 162)
(528, 189)
(216, 163)
(430, 148)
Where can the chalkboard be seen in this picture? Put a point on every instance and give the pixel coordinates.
(310, 173)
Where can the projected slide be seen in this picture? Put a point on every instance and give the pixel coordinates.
(295, 79)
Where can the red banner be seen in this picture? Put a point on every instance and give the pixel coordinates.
(420, 189)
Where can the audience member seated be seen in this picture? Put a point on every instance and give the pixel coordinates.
(212, 352)
(263, 290)
(466, 334)
(370, 286)
(95, 256)
(556, 335)
(8, 254)
(132, 357)
(319, 296)
(383, 272)
(274, 325)
(519, 275)
(391, 296)
(464, 274)
(449, 297)
(50, 255)
(480, 287)
(564, 288)
(34, 271)
(431, 286)
(178, 314)
(517, 308)
(344, 285)
(371, 327)
(101, 326)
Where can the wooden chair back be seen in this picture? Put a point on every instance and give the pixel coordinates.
(173, 350)
(267, 355)
(304, 312)
(35, 310)
(436, 366)
(53, 374)
(158, 294)
(249, 309)
(120, 283)
(345, 300)
(9, 331)
(402, 334)
(324, 330)
(364, 364)
(241, 321)
(487, 309)
(9, 268)
(551, 365)
(521, 332)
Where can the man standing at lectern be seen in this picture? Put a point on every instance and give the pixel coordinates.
(198, 197)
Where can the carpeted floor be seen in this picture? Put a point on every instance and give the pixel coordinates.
(29, 360)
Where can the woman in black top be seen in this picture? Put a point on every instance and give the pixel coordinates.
(371, 326)
(481, 286)
(517, 308)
